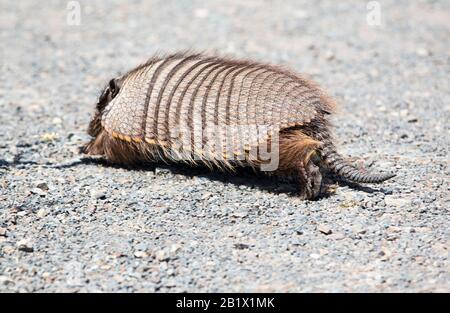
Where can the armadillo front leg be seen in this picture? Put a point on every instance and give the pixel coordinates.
(310, 180)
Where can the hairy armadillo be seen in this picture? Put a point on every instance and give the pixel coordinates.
(222, 113)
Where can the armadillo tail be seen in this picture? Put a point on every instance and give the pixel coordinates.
(337, 164)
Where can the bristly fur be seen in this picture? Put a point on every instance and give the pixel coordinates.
(305, 142)
(295, 146)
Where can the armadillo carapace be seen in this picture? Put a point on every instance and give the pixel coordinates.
(222, 113)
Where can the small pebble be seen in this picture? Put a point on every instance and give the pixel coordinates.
(162, 255)
(175, 248)
(42, 186)
(241, 246)
(39, 191)
(359, 229)
(324, 229)
(98, 194)
(422, 52)
(329, 55)
(24, 245)
(337, 236)
(140, 254)
(41, 213)
(384, 254)
(8, 250)
(4, 280)
(241, 213)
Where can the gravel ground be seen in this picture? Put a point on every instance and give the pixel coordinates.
(93, 227)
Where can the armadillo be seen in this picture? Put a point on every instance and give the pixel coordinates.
(222, 113)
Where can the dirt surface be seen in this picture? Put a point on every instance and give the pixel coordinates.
(93, 227)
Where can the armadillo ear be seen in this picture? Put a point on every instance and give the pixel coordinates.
(103, 99)
(114, 86)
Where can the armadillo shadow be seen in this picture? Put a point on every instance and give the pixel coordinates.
(243, 176)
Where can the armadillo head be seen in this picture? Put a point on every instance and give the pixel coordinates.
(109, 92)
